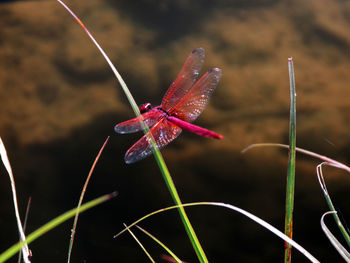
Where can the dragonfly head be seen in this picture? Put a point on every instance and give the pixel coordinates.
(145, 107)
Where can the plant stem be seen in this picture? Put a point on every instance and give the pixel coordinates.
(6, 162)
(288, 228)
(162, 166)
(172, 189)
(234, 208)
(52, 224)
(329, 201)
(81, 200)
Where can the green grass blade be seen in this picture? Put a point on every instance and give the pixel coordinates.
(239, 210)
(288, 227)
(326, 161)
(330, 203)
(338, 246)
(189, 229)
(161, 244)
(140, 244)
(160, 161)
(52, 224)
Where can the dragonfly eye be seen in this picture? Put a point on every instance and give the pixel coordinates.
(145, 107)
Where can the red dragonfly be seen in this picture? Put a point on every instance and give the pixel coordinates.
(183, 102)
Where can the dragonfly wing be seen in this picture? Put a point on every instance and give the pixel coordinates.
(191, 105)
(163, 133)
(134, 125)
(185, 79)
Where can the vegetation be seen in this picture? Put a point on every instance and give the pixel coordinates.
(200, 252)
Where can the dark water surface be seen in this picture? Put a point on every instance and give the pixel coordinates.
(59, 101)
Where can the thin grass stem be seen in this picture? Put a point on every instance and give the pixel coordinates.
(160, 243)
(140, 244)
(330, 203)
(24, 227)
(6, 162)
(52, 224)
(288, 227)
(326, 161)
(81, 200)
(338, 246)
(301, 150)
(239, 210)
(160, 161)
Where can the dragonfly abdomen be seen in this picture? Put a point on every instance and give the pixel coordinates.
(194, 128)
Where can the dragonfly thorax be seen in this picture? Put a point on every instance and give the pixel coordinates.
(145, 107)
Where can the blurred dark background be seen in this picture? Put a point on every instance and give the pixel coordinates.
(59, 101)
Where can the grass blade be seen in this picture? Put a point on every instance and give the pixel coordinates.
(24, 227)
(6, 162)
(301, 150)
(237, 209)
(140, 244)
(326, 161)
(288, 226)
(187, 224)
(160, 243)
(159, 158)
(81, 200)
(338, 246)
(330, 203)
(52, 224)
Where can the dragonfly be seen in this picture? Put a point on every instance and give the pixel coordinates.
(182, 103)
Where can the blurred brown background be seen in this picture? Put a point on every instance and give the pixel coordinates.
(59, 101)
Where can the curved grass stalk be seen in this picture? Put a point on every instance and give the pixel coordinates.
(6, 162)
(301, 150)
(24, 226)
(52, 224)
(160, 243)
(140, 244)
(159, 158)
(81, 200)
(237, 209)
(330, 203)
(338, 246)
(326, 161)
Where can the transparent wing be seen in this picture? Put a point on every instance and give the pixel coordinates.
(185, 79)
(134, 125)
(191, 105)
(163, 133)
